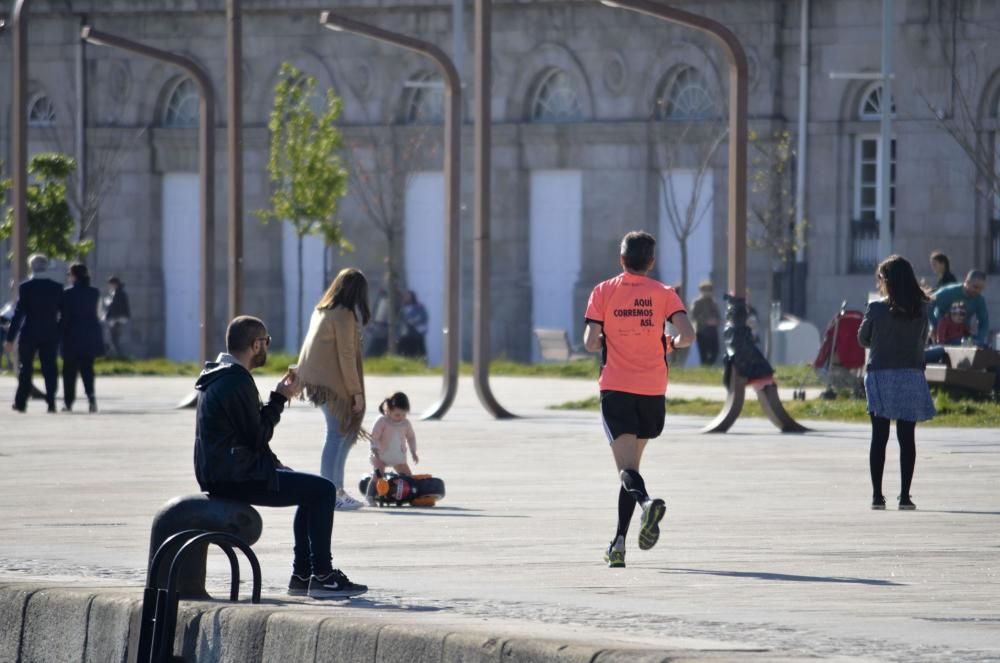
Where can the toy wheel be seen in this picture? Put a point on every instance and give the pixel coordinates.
(424, 501)
(431, 487)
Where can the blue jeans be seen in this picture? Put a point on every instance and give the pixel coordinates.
(335, 450)
(313, 525)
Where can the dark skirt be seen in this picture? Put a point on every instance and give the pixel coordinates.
(899, 393)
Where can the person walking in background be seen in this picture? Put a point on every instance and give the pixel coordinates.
(412, 340)
(331, 373)
(82, 339)
(970, 294)
(116, 314)
(6, 356)
(626, 318)
(706, 317)
(941, 267)
(35, 326)
(895, 329)
(377, 336)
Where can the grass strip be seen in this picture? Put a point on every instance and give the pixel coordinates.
(952, 412)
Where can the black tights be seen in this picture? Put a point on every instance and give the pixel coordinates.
(905, 434)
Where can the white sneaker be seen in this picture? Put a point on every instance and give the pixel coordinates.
(347, 503)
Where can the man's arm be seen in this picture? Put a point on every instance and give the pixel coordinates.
(592, 336)
(685, 331)
(983, 324)
(18, 319)
(256, 422)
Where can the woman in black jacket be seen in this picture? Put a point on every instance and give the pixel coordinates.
(895, 331)
(82, 340)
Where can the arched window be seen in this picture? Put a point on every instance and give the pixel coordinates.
(871, 103)
(424, 100)
(556, 99)
(181, 109)
(41, 111)
(685, 96)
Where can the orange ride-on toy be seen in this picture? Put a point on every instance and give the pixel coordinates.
(396, 489)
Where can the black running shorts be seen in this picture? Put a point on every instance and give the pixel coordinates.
(624, 414)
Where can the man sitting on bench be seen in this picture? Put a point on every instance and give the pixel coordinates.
(233, 458)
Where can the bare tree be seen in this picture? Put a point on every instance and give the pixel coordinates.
(771, 226)
(104, 165)
(958, 115)
(698, 141)
(382, 158)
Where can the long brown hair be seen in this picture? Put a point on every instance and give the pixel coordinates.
(898, 282)
(350, 290)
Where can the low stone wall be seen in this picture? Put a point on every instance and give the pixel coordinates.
(46, 623)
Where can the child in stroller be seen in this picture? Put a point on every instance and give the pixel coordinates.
(841, 358)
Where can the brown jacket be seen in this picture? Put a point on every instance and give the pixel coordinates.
(330, 366)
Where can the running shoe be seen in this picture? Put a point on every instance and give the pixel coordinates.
(906, 504)
(615, 557)
(652, 514)
(347, 503)
(334, 585)
(878, 503)
(298, 585)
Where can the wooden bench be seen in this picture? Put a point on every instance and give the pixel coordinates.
(966, 368)
(554, 346)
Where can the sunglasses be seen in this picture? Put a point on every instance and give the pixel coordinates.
(266, 339)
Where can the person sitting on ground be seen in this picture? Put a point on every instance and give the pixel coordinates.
(392, 435)
(970, 293)
(233, 457)
(942, 268)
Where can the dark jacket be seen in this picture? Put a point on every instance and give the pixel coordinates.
(233, 429)
(894, 341)
(118, 307)
(36, 315)
(81, 330)
(946, 279)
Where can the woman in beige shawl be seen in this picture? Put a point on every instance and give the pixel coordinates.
(331, 373)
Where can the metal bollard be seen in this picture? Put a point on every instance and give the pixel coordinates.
(199, 512)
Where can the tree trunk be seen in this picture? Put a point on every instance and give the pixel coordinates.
(392, 284)
(770, 307)
(684, 270)
(301, 290)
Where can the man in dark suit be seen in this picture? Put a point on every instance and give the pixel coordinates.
(36, 327)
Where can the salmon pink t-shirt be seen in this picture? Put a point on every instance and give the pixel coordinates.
(632, 311)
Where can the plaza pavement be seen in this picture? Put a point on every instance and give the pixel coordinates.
(769, 550)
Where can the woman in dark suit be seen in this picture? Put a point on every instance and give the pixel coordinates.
(82, 339)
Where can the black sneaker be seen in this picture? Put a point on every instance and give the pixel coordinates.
(334, 585)
(878, 503)
(906, 504)
(92, 405)
(298, 585)
(614, 557)
(652, 514)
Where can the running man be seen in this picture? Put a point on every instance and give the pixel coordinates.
(625, 320)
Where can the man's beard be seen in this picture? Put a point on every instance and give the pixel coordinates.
(259, 359)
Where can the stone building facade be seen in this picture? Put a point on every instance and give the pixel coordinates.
(605, 121)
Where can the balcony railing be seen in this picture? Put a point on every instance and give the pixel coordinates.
(864, 246)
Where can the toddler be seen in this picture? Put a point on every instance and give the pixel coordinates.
(391, 436)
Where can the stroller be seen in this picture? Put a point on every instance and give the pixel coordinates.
(841, 358)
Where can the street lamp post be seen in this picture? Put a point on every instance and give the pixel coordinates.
(206, 165)
(452, 178)
(481, 233)
(737, 200)
(19, 167)
(234, 141)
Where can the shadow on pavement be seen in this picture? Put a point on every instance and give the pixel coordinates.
(761, 575)
(965, 513)
(456, 512)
